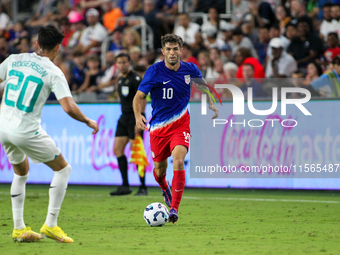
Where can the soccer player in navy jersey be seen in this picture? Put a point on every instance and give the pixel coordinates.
(169, 85)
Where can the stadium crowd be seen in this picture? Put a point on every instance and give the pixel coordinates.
(263, 40)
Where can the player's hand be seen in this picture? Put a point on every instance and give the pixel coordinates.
(213, 108)
(93, 124)
(140, 122)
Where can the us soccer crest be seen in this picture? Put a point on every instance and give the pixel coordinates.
(187, 79)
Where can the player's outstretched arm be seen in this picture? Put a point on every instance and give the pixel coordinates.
(210, 101)
(72, 109)
(137, 109)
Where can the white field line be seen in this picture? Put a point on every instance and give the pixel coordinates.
(195, 198)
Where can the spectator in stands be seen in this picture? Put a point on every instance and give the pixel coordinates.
(18, 32)
(240, 41)
(78, 71)
(307, 46)
(280, 64)
(140, 70)
(150, 57)
(314, 71)
(298, 11)
(230, 70)
(134, 8)
(333, 49)
(106, 84)
(187, 56)
(291, 32)
(274, 32)
(131, 38)
(63, 10)
(92, 36)
(226, 55)
(92, 75)
(117, 40)
(65, 27)
(150, 13)
(206, 67)
(5, 22)
(250, 31)
(282, 17)
(326, 25)
(335, 10)
(186, 29)
(111, 15)
(42, 15)
(77, 25)
(214, 54)
(243, 56)
(250, 82)
(262, 13)
(198, 45)
(23, 46)
(240, 7)
(328, 84)
(135, 55)
(215, 21)
(167, 14)
(60, 62)
(221, 76)
(263, 44)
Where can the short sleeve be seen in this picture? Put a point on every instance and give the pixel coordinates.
(60, 86)
(196, 72)
(148, 81)
(3, 68)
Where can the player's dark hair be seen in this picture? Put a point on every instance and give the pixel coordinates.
(123, 55)
(172, 39)
(49, 36)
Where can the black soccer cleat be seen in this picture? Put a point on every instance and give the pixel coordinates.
(122, 190)
(142, 192)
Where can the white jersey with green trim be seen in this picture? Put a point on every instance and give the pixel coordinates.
(29, 78)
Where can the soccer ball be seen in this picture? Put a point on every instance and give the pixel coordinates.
(156, 215)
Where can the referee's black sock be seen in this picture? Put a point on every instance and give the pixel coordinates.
(123, 167)
(142, 182)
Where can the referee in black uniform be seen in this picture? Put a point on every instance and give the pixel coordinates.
(126, 128)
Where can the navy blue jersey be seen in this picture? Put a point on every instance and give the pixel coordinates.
(170, 94)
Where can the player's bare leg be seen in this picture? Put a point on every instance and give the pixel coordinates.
(21, 233)
(178, 181)
(119, 146)
(58, 187)
(160, 173)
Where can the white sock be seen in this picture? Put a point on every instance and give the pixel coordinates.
(57, 193)
(18, 192)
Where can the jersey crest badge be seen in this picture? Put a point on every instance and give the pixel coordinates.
(125, 91)
(187, 79)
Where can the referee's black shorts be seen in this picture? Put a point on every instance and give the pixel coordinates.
(126, 125)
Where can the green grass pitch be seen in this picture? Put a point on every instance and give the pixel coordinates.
(211, 221)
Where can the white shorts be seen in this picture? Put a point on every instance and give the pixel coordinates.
(40, 148)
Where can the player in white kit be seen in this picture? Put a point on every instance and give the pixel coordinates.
(30, 78)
